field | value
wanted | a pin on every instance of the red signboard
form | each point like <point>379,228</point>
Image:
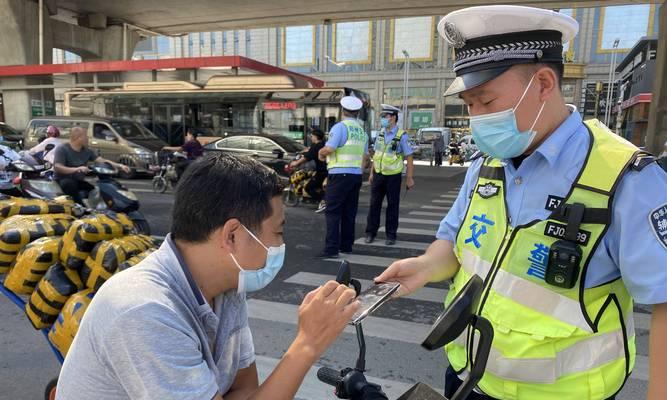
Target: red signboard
<point>280,105</point>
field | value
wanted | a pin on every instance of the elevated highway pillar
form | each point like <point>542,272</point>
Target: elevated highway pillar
<point>657,125</point>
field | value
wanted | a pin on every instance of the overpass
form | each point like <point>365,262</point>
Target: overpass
<point>103,30</point>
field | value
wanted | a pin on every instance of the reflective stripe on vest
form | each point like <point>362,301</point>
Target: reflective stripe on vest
<point>549,343</point>
<point>351,154</point>
<point>384,162</point>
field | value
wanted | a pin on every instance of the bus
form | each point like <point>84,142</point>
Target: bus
<point>223,105</point>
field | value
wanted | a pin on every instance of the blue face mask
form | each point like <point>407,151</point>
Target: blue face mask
<point>384,122</point>
<point>253,280</point>
<point>497,134</point>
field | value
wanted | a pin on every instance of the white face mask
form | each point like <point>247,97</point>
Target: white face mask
<point>253,280</point>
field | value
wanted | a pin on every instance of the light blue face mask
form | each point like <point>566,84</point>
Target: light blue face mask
<point>497,134</point>
<point>384,122</point>
<point>253,280</point>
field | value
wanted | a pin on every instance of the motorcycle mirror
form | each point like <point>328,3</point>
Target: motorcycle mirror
<point>456,318</point>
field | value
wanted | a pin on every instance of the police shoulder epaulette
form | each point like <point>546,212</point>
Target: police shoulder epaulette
<point>477,155</point>
<point>641,161</point>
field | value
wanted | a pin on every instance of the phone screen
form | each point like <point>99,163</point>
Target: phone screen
<point>372,299</point>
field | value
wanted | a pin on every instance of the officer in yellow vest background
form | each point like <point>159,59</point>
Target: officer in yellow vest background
<point>565,221</point>
<point>346,153</point>
<point>391,148</point>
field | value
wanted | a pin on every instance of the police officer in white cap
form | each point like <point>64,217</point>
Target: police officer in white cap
<point>565,221</point>
<point>391,148</point>
<point>346,152</point>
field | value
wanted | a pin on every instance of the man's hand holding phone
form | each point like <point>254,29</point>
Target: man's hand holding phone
<point>323,315</point>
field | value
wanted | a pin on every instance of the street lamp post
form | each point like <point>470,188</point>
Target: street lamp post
<point>610,85</point>
<point>406,82</point>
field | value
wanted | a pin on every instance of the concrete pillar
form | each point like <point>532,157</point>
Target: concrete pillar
<point>657,124</point>
<point>19,45</point>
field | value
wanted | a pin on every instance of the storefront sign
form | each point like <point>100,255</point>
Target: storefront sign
<point>280,105</point>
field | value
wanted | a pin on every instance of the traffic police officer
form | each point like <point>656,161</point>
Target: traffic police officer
<point>391,147</point>
<point>565,221</point>
<point>346,152</point>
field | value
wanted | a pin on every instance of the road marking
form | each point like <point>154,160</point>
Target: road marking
<point>142,190</point>
<point>364,260</point>
<point>385,328</point>
<point>436,208</point>
<point>449,201</point>
<point>420,221</point>
<point>427,214</point>
<point>412,231</point>
<point>400,244</point>
<point>449,196</point>
<point>433,295</point>
<point>311,387</point>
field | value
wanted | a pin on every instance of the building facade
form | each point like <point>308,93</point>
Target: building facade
<point>373,55</point>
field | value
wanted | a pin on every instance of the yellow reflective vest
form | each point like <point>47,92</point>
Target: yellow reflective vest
<point>550,343</point>
<point>387,160</point>
<point>351,154</point>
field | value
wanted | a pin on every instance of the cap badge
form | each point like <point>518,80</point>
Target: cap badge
<point>454,36</point>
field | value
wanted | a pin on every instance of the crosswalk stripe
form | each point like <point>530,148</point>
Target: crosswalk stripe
<point>311,279</point>
<point>312,388</point>
<point>436,208</point>
<point>413,231</point>
<point>385,328</point>
<point>449,196</point>
<point>364,260</point>
<point>420,221</point>
<point>141,190</point>
<point>400,244</point>
<point>449,201</point>
<point>427,214</point>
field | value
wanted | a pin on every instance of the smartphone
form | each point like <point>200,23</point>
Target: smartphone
<point>372,299</point>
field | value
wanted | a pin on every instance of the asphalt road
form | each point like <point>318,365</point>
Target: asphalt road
<point>394,357</point>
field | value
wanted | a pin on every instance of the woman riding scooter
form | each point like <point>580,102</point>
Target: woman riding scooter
<point>42,151</point>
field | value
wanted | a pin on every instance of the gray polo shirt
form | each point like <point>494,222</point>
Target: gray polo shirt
<point>149,334</point>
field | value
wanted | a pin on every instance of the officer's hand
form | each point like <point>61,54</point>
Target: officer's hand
<point>324,314</point>
<point>410,273</point>
<point>410,183</point>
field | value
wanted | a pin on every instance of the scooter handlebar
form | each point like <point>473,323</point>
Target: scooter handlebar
<point>329,376</point>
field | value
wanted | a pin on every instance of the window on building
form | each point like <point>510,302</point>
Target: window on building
<point>190,46</point>
<point>213,43</point>
<point>163,46</point>
<point>298,45</point>
<point>626,23</point>
<point>413,35</point>
<point>352,42</point>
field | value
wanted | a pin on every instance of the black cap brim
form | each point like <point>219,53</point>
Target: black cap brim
<point>473,79</point>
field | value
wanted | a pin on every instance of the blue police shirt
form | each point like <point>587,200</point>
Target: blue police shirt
<point>403,145</point>
<point>635,246</point>
<point>337,138</point>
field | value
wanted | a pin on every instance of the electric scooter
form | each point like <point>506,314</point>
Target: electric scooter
<point>350,383</point>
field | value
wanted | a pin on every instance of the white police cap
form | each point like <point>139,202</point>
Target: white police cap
<point>351,103</point>
<point>488,40</point>
<point>389,109</point>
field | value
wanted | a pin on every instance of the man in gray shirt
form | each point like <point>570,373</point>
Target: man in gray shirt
<point>70,164</point>
<point>176,325</point>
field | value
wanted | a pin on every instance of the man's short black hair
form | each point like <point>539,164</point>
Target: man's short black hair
<point>217,188</point>
<point>193,133</point>
<point>317,132</point>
